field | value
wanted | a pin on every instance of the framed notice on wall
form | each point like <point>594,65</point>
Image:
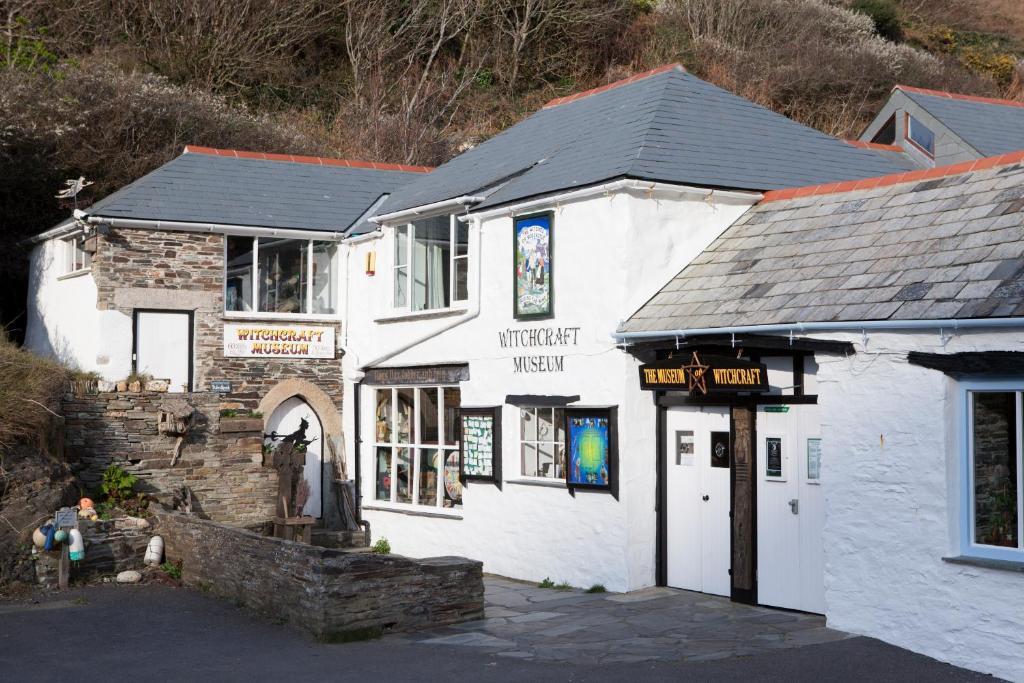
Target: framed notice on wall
<point>591,449</point>
<point>533,293</point>
<point>773,458</point>
<point>480,444</point>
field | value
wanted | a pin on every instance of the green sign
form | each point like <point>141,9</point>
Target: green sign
<point>776,409</point>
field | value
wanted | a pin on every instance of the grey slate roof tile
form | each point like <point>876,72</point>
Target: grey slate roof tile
<point>203,188</point>
<point>667,127</point>
<point>811,270</point>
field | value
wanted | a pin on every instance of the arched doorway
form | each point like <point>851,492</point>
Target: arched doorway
<point>287,419</point>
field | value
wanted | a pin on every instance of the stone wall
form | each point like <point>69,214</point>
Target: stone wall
<point>221,460</point>
<point>335,594</point>
<point>136,268</point>
<point>111,546</point>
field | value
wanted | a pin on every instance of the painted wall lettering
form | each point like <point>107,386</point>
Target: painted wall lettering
<point>538,337</point>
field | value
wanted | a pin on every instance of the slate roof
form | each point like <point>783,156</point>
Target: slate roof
<point>205,185</point>
<point>939,246</point>
<point>665,125</point>
<point>988,125</point>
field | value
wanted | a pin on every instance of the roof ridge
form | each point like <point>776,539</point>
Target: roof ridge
<point>958,96</point>
<point>316,161</point>
<point>895,178</point>
<point>874,145</point>
<point>614,84</point>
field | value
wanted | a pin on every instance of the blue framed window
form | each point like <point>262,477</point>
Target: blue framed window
<point>921,135</point>
<point>992,490</point>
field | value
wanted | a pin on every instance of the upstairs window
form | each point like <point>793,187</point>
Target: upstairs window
<point>286,277</point>
<point>431,266</point>
<point>994,489</point>
<point>76,258</point>
<point>922,137</point>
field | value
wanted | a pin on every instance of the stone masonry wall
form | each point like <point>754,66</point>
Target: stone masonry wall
<point>137,268</point>
<point>221,460</point>
<point>335,594</point>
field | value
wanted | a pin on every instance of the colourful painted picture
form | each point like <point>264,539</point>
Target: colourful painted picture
<point>533,291</point>
<point>589,450</point>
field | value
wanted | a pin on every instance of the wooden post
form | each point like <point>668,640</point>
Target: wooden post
<point>64,566</point>
<point>744,509</point>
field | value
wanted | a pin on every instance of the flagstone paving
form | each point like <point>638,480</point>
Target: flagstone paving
<point>525,622</point>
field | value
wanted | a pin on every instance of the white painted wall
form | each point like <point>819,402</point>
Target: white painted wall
<point>891,472</point>
<point>63,321</point>
<point>611,253</point>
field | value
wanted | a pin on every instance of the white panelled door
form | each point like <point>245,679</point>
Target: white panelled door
<point>790,509</point>
<point>292,416</point>
<point>163,347</point>
<point>698,499</point>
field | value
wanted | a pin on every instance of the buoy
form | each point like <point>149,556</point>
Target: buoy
<point>155,551</point>
<point>60,536</point>
<point>77,548</point>
<point>38,538</point>
<point>86,503</point>
<point>49,531</point>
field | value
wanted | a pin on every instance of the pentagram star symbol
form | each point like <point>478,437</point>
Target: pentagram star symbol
<point>695,374</point>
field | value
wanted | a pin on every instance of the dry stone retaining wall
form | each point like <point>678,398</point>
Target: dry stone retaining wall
<point>336,594</point>
<point>221,459</point>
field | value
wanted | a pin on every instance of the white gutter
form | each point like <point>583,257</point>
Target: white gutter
<point>644,187</point>
<point>464,201</point>
<point>66,228</point>
<point>801,328</point>
<point>365,237</point>
<point>216,228</point>
<point>473,312</point>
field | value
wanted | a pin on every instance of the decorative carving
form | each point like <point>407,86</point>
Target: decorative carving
<point>176,418</point>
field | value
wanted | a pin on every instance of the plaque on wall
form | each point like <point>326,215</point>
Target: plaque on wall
<point>480,444</point>
<point>773,457</point>
<point>417,375</point>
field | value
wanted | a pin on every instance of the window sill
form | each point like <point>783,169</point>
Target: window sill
<point>281,317</point>
<point>420,315</point>
<point>987,563</point>
<point>74,274</point>
<point>412,510</point>
<point>544,483</point>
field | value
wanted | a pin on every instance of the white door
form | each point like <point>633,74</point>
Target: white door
<point>163,347</point>
<point>790,509</point>
<point>287,419</point>
<point>698,499</point>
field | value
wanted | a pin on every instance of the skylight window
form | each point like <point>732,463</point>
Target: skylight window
<point>922,136</point>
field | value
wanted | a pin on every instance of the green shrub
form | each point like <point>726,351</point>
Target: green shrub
<point>546,583</point>
<point>597,588</point>
<point>564,586</point>
<point>884,14</point>
<point>381,547</point>
<point>118,486</point>
<point>172,569</point>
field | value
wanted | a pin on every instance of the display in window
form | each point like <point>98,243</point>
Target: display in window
<point>325,278</point>
<point>428,476</point>
<point>403,475</point>
<point>282,275</point>
<point>404,428</point>
<point>996,498</point>
<point>383,416</point>
<point>452,483</point>
<point>383,474</point>
<point>481,444</point>
<point>534,293</point>
<point>238,285</point>
<point>591,447</point>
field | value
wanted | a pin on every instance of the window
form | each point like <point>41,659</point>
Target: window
<point>921,136</point>
<point>886,135</point>
<point>996,506</point>
<point>286,277</point>
<point>542,438</point>
<point>417,446</point>
<point>76,258</point>
<point>431,264</point>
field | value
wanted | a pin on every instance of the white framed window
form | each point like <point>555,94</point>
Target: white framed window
<point>76,258</point>
<point>431,264</point>
<point>921,136</point>
<point>542,442</point>
<point>994,483</point>
<point>416,446</point>
<point>281,277</point>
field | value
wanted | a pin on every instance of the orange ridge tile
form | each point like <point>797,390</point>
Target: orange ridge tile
<point>594,91</point>
<point>298,159</point>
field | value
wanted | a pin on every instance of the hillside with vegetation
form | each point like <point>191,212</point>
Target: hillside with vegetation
<point>110,89</point>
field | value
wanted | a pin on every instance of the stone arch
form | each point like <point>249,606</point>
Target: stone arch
<point>317,398</point>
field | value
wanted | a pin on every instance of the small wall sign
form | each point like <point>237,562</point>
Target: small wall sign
<point>704,375</point>
<point>255,340</point>
<point>220,386</point>
<point>773,457</point>
<point>814,459</point>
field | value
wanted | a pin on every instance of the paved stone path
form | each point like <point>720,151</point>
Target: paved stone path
<point>657,624</point>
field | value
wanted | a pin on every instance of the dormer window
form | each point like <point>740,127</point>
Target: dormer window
<point>431,266</point>
<point>921,136</point>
